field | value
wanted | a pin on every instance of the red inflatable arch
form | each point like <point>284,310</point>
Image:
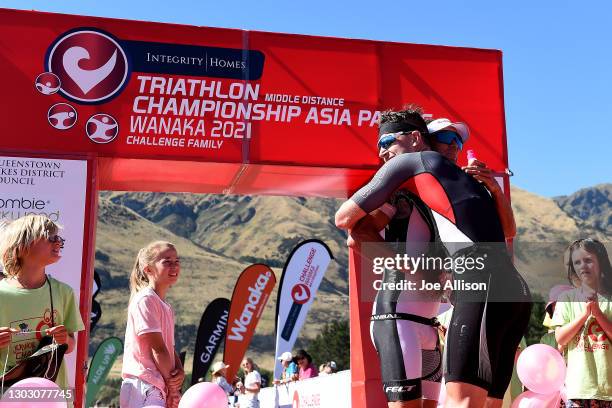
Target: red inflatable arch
<point>162,107</point>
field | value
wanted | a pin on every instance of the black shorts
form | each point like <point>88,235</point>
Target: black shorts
<point>483,336</point>
<point>407,344</point>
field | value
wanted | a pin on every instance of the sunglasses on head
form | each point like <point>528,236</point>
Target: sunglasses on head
<point>448,136</point>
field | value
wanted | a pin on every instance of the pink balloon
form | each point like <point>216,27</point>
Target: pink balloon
<point>31,384</point>
<point>541,369</point>
<point>530,399</point>
<point>204,395</point>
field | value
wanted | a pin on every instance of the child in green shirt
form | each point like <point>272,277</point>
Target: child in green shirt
<point>28,245</point>
<point>583,321</point>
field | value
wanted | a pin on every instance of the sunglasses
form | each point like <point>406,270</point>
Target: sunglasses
<point>448,137</point>
<point>387,140</point>
<point>55,239</point>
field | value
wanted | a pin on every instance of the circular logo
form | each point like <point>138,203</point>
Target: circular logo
<point>91,65</point>
<point>102,128</point>
<point>300,293</point>
<point>62,116</point>
<point>47,83</point>
<point>595,332</point>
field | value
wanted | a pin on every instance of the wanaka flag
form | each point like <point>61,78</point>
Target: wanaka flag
<point>101,363</point>
<point>211,334</point>
<point>250,296</point>
<point>301,278</point>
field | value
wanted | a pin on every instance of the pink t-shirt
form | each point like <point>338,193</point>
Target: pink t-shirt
<point>147,313</point>
<point>309,372</point>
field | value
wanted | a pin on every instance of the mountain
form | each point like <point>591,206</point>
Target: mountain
<point>590,206</point>
<point>218,236</point>
<point>544,230</point>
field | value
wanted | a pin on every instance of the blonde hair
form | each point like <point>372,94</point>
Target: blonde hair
<point>146,257</point>
<point>17,238</point>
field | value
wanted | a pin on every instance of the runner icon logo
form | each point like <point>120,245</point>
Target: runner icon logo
<point>102,128</point>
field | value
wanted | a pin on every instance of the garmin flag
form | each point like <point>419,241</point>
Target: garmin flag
<point>250,296</point>
<point>211,333</point>
<point>301,278</point>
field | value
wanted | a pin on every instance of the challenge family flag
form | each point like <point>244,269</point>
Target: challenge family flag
<point>299,283</point>
<point>211,332</point>
<point>101,363</point>
<point>250,296</point>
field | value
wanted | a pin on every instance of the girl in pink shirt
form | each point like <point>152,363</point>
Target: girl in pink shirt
<point>152,372</point>
<point>307,368</point>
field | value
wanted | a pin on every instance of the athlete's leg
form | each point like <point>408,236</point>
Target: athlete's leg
<point>432,366</point>
<point>493,402</point>
<point>464,395</point>
<point>511,330</point>
<point>468,370</point>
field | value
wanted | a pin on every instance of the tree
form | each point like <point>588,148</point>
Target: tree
<point>332,344</point>
<point>535,329</point>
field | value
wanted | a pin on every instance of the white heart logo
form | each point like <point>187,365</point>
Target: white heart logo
<point>86,79</point>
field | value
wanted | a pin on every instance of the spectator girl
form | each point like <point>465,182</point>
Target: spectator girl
<point>583,321</point>
<point>152,371</point>
<point>252,384</point>
<point>306,368</point>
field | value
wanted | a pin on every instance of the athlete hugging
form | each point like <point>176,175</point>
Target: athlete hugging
<point>426,204</point>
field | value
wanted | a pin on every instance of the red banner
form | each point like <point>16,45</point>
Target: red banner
<point>273,112</point>
<point>250,296</point>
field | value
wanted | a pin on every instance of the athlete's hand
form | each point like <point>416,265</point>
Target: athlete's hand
<point>350,242</point>
<point>5,336</point>
<point>59,334</point>
<point>482,173</point>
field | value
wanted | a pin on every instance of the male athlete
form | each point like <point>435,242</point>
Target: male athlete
<point>483,334</point>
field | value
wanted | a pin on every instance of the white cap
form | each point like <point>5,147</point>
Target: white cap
<point>218,366</point>
<point>332,364</point>
<point>286,356</point>
<point>440,124</point>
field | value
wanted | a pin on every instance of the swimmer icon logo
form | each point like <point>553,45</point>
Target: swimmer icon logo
<point>90,64</point>
<point>62,116</point>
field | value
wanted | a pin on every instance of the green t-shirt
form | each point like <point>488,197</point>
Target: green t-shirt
<point>589,358</point>
<point>549,339</point>
<point>30,310</point>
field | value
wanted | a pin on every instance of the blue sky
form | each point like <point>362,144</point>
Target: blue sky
<point>557,62</point>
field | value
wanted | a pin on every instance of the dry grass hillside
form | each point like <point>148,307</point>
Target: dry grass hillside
<point>543,232</point>
<point>207,272</point>
<point>218,236</point>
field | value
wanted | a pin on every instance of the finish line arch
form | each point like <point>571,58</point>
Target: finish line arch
<point>164,107</point>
